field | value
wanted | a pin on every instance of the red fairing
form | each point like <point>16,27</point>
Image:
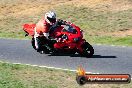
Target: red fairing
<point>70,42</point>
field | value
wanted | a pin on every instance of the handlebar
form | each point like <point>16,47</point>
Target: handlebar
<point>57,24</point>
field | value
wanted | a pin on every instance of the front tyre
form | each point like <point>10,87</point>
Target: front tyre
<point>88,50</point>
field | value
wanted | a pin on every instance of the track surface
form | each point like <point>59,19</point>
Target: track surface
<point>107,59</point>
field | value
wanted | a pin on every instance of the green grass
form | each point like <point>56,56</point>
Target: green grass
<point>23,76</point>
<point>109,40</point>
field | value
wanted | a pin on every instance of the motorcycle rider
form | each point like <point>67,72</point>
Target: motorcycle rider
<point>43,27</point>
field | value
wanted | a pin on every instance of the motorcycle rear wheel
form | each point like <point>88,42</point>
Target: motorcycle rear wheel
<point>43,48</point>
<point>33,43</point>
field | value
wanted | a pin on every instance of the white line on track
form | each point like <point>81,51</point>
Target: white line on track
<point>41,66</point>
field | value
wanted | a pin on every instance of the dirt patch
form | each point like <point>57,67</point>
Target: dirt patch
<point>122,33</point>
<point>32,7</point>
<point>86,3</point>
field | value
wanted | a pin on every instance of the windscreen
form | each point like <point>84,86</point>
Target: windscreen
<point>69,28</point>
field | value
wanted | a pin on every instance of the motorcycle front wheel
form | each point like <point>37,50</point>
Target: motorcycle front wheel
<point>88,50</point>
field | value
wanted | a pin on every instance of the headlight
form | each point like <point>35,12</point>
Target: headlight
<point>65,37</point>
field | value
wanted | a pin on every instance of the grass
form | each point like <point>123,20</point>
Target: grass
<point>95,21</point>
<point>110,40</point>
<point>23,76</point>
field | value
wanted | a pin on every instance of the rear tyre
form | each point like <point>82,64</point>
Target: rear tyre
<point>45,50</point>
<point>42,50</point>
<point>88,50</point>
<point>33,43</point>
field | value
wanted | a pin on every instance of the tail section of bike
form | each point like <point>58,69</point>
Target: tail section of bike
<point>29,29</point>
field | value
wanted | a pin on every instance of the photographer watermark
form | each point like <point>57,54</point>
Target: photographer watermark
<point>83,78</point>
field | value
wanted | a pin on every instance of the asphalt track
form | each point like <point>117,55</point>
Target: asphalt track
<point>107,59</point>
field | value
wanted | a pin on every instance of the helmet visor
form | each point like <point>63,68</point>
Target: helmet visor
<point>52,20</point>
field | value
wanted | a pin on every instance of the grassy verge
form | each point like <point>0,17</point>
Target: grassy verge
<point>110,40</point>
<point>22,76</point>
<point>97,22</point>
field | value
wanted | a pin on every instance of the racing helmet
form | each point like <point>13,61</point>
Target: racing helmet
<point>50,17</point>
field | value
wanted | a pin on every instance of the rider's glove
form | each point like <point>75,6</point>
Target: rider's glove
<point>61,22</point>
<point>46,35</point>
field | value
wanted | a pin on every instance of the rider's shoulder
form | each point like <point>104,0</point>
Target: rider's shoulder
<point>43,21</point>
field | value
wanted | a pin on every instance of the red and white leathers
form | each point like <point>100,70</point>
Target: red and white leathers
<point>41,29</point>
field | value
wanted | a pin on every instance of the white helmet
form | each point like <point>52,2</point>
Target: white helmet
<point>50,17</point>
